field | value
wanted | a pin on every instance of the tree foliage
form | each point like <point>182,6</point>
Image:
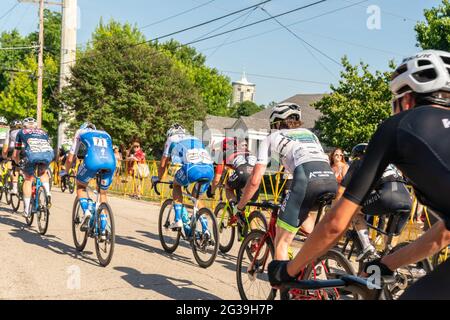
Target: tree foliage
<point>355,107</point>
<point>245,109</point>
<point>434,33</point>
<point>131,90</point>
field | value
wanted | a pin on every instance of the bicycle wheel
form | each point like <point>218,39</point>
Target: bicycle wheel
<point>8,185</point>
<point>30,218</point>
<point>205,245</point>
<point>257,221</point>
<point>226,230</point>
<point>169,239</point>
<point>406,276</point>
<point>330,266</point>
<point>63,184</point>
<point>71,184</point>
<point>105,248</point>
<point>251,270</point>
<point>79,237</point>
<point>43,213</point>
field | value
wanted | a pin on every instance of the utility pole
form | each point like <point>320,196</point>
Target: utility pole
<point>68,57</point>
<point>40,63</point>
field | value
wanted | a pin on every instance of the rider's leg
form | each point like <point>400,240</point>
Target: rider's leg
<point>27,185</point>
<point>283,240</point>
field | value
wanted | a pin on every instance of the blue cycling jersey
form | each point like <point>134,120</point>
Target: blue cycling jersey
<point>186,149</point>
<point>35,145</point>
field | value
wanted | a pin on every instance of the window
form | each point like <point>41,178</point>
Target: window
<point>242,97</point>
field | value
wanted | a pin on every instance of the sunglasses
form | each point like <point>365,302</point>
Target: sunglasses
<point>338,155</point>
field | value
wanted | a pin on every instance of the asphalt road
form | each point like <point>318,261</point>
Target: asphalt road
<point>48,267</point>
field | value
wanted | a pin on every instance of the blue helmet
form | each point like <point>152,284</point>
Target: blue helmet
<point>88,125</point>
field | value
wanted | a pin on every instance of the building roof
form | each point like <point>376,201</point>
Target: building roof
<point>309,114</point>
<point>252,123</point>
<point>244,81</point>
<point>218,123</point>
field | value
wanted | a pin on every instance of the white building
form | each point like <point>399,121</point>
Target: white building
<point>243,90</point>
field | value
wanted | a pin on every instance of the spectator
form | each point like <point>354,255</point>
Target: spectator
<point>118,157</point>
<point>338,164</point>
<point>136,165</point>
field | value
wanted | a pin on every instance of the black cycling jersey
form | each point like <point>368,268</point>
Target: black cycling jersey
<point>417,142</point>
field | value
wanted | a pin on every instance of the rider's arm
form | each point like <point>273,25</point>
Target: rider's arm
<point>252,185</point>
<point>69,162</point>
<point>5,149</point>
<point>433,241</point>
<point>328,232</point>
<point>17,148</point>
<point>163,166</point>
<point>73,152</point>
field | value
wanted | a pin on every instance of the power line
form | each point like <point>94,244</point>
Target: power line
<point>209,21</point>
<point>305,44</point>
<point>19,48</point>
<point>177,15</point>
<point>277,78</point>
<point>212,36</point>
<point>258,22</point>
<point>10,10</point>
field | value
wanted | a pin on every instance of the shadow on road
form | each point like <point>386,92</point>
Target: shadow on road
<point>24,233</point>
<point>172,288</point>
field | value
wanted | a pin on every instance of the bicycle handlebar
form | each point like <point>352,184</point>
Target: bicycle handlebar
<point>264,205</point>
<point>155,186</point>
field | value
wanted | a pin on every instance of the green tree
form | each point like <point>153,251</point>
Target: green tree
<point>131,91</point>
<point>215,88</point>
<point>245,109</point>
<point>356,106</point>
<point>434,33</point>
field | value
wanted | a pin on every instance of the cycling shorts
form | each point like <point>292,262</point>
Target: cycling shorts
<point>88,171</point>
<point>388,199</point>
<point>311,180</point>
<point>40,159</point>
<point>191,173</point>
<point>238,180</point>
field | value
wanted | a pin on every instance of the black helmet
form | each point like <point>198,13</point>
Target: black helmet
<point>359,151</point>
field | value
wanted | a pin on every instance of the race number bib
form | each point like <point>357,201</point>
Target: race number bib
<point>198,156</point>
<point>309,152</point>
<point>241,159</point>
<point>39,145</point>
<point>100,142</point>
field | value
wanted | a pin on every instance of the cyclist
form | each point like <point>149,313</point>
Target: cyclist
<point>196,164</point>
<point>416,139</point>
<point>302,155</point>
<point>8,150</point>
<point>94,147</point>
<point>33,146</point>
<point>388,196</point>
<point>4,133</point>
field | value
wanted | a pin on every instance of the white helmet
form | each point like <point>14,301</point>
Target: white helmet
<point>175,129</point>
<point>426,72</point>
<point>3,121</point>
<point>284,111</point>
<point>29,123</point>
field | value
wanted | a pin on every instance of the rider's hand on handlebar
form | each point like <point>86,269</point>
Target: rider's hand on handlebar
<point>377,266</point>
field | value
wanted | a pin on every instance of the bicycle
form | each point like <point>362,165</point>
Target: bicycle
<point>204,244</point>
<point>258,248</point>
<point>4,181</point>
<point>405,276</point>
<point>69,182</point>
<point>227,221</point>
<point>104,248</point>
<point>16,199</point>
<point>38,204</point>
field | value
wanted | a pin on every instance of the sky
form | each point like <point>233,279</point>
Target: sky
<point>281,63</point>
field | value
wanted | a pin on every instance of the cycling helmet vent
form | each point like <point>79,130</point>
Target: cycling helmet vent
<point>426,75</point>
<point>404,89</point>
<point>400,70</point>
<point>422,63</point>
<point>446,60</point>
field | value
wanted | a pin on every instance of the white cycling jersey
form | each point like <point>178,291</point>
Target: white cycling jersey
<point>4,134</point>
<point>293,147</point>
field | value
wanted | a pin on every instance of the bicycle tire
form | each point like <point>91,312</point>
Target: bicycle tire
<point>8,184</point>
<point>79,245</point>
<point>334,255</point>
<point>164,224</point>
<point>63,184</point>
<point>29,219</point>
<point>223,224</point>
<point>110,236</point>
<point>43,215</point>
<point>72,184</point>
<point>196,250</point>
<point>261,239</point>
<point>255,216</point>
